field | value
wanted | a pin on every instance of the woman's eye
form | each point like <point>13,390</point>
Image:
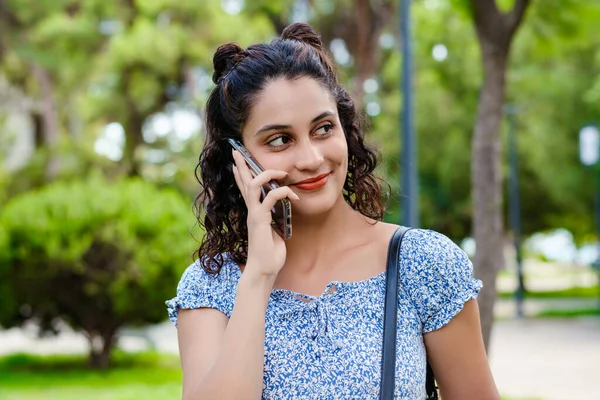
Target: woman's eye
<point>279,141</point>
<point>324,130</point>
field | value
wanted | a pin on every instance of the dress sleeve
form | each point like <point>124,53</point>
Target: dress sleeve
<point>437,275</point>
<point>198,289</point>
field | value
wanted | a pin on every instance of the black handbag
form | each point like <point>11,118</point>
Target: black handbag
<point>390,320</point>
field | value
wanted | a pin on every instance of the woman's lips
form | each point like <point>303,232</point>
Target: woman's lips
<point>313,184</point>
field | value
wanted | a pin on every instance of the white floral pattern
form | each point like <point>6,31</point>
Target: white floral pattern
<point>329,347</point>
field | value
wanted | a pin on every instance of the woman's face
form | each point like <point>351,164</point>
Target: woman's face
<point>294,127</point>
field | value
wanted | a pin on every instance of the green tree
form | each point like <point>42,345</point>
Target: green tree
<point>495,31</point>
<point>90,63</point>
<point>97,255</point>
<point>552,73</point>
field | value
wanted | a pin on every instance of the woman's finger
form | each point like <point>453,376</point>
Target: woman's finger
<point>244,176</point>
<point>260,185</point>
<point>238,181</point>
<point>243,170</point>
<point>275,195</point>
<point>253,185</point>
<point>267,176</point>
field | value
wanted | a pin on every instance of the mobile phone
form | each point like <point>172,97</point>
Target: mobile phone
<point>281,213</point>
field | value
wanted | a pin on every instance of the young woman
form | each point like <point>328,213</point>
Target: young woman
<point>262,317</point>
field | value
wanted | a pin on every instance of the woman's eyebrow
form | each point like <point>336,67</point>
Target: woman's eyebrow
<point>272,127</point>
<point>321,116</point>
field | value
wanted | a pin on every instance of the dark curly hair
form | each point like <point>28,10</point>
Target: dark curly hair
<point>240,75</point>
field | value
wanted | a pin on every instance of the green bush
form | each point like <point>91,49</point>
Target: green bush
<point>94,254</point>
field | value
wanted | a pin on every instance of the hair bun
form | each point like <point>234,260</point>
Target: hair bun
<point>302,32</point>
<point>225,57</point>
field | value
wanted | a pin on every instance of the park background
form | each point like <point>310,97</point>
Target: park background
<point>101,124</point>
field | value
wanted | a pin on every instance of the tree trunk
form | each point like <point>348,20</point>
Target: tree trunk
<point>133,139</point>
<point>487,185</point>
<point>133,122</point>
<point>360,27</point>
<point>49,119</point>
<point>100,349</point>
<point>495,31</point>
<point>132,119</point>
<point>371,18</point>
<point>38,130</point>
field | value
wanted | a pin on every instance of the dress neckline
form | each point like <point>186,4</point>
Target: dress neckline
<point>341,286</point>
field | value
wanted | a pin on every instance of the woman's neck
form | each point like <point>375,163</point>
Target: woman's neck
<point>318,236</point>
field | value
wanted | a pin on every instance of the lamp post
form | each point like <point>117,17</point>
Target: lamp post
<point>410,205</point>
<point>589,153</point>
<point>511,111</point>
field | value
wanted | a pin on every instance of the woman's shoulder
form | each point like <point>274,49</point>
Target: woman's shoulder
<point>438,276</point>
<point>431,246</point>
<point>428,256</point>
<point>199,288</point>
<point>222,269</point>
<point>424,244</point>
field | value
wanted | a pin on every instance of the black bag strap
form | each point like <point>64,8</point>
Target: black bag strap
<point>390,317</point>
<point>390,320</point>
<point>430,387</point>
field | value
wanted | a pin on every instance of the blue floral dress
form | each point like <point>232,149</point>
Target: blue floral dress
<point>329,347</point>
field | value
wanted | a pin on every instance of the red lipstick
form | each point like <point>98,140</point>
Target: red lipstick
<point>313,183</point>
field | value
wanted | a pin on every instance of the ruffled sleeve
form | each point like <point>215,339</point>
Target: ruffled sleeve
<point>198,289</point>
<point>437,275</point>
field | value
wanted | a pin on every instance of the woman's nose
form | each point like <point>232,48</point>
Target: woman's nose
<point>308,157</point>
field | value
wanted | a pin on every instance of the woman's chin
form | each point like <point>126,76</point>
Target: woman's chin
<point>314,206</point>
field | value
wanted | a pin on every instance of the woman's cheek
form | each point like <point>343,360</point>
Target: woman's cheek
<point>341,150</point>
<point>276,161</point>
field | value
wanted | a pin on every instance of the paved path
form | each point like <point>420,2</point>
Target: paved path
<point>542,359</point>
<point>547,359</point>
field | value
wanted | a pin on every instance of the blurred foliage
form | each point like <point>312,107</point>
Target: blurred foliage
<point>93,253</point>
<point>145,63</point>
<point>117,61</point>
<point>135,74</point>
<point>554,70</point>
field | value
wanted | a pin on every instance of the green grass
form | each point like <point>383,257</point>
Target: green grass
<point>590,292</point>
<point>585,312</point>
<point>145,376</point>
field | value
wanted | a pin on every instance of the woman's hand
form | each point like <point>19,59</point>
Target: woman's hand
<point>266,249</point>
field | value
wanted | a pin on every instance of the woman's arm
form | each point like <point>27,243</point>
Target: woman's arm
<point>224,359</point>
<point>457,355</point>
<point>221,358</point>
